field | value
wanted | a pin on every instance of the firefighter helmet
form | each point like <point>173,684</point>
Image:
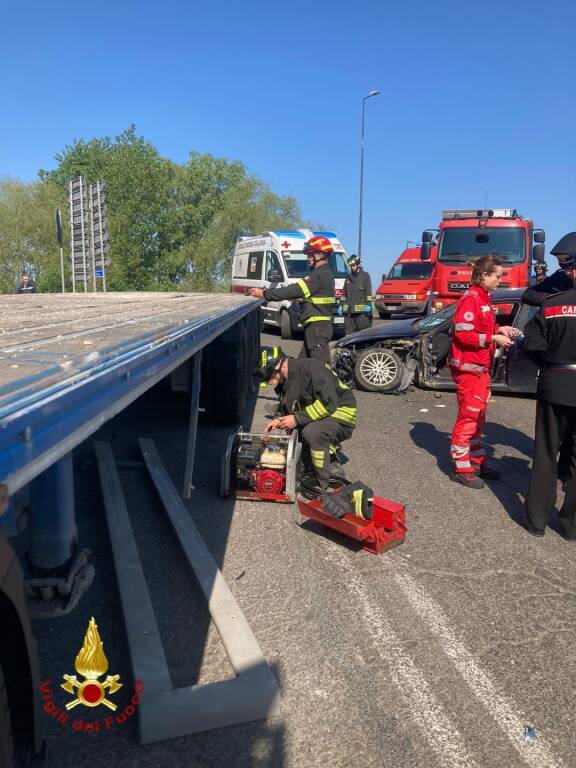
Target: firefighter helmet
<point>540,265</point>
<point>318,244</point>
<point>270,359</point>
<point>353,259</point>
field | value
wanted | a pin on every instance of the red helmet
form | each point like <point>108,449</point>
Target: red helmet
<point>318,244</point>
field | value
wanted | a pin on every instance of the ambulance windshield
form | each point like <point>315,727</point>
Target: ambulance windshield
<point>297,266</point>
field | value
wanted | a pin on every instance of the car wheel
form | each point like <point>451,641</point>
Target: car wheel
<point>378,370</point>
<point>384,315</point>
<point>285,325</point>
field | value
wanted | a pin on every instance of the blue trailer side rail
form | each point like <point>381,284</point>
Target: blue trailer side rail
<point>54,394</point>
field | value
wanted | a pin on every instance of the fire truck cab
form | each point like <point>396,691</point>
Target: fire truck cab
<point>465,235</point>
<point>407,286</point>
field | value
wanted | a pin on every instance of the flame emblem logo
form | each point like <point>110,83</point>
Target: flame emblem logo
<point>91,663</point>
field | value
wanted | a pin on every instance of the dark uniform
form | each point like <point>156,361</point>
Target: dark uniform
<point>317,291</point>
<point>358,298</point>
<point>535,295</point>
<point>551,335</point>
<point>325,411</point>
<point>556,282</point>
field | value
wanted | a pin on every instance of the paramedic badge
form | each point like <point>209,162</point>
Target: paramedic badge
<point>91,663</point>
<point>468,316</point>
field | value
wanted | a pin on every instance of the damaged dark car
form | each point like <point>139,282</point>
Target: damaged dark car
<point>391,356</point>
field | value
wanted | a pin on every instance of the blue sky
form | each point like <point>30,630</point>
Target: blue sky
<point>477,100</point>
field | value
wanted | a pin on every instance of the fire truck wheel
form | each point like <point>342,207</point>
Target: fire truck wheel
<point>285,325</point>
<point>378,370</point>
<point>6,750</point>
<point>384,315</point>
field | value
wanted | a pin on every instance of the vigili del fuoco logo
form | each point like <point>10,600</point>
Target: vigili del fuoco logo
<point>90,664</point>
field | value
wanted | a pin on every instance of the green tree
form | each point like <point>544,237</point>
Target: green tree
<point>171,225</point>
<point>28,234</point>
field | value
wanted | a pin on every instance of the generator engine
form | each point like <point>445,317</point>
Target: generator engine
<point>261,466</point>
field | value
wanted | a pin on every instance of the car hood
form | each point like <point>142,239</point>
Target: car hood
<point>400,329</point>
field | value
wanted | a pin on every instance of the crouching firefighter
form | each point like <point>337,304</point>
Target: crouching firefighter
<point>315,402</point>
<point>317,292</point>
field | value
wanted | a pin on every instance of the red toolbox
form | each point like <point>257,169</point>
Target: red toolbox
<point>385,531</point>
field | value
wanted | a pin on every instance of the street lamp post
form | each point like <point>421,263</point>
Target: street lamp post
<point>372,93</point>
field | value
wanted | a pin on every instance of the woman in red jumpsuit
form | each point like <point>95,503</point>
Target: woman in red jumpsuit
<point>476,335</point>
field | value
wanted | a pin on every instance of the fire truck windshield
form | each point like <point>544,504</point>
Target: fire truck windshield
<point>461,244</point>
<point>411,270</point>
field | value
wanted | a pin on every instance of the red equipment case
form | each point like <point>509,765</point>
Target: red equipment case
<point>385,531</point>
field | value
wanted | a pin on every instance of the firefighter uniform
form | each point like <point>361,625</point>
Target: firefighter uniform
<point>325,411</point>
<point>357,301</point>
<point>317,291</point>
<point>551,335</point>
<point>470,358</point>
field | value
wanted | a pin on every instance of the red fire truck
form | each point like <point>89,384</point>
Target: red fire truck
<point>464,235</point>
<point>406,288</point>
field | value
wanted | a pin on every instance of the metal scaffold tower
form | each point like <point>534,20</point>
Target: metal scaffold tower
<point>88,235</point>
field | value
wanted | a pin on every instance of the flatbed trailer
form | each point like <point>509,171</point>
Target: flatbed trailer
<point>68,364</point>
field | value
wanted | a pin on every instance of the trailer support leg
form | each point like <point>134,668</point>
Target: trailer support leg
<point>59,572</point>
<point>53,521</point>
<point>193,424</point>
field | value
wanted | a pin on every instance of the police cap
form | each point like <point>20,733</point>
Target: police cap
<point>565,246</point>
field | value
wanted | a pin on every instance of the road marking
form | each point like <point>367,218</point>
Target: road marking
<point>536,754</point>
<point>427,712</point>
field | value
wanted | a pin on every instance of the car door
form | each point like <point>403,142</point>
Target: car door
<point>520,371</point>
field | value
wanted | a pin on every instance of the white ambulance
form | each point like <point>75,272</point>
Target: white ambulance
<point>276,258</point>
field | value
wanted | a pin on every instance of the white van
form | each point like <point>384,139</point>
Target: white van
<point>276,258</point>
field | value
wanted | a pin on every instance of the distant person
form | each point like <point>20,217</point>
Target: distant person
<point>26,285</point>
<point>539,274</point>
<point>357,298</point>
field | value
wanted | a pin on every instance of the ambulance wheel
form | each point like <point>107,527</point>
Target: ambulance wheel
<point>378,370</point>
<point>384,315</point>
<point>286,325</point>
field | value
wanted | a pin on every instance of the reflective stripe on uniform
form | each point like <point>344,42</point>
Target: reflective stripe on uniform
<point>316,410</point>
<point>321,300</point>
<point>482,340</point>
<point>304,288</point>
<point>316,319</point>
<point>317,458</point>
<point>347,415</point>
<point>357,501</point>
<point>472,367</point>
<point>463,326</point>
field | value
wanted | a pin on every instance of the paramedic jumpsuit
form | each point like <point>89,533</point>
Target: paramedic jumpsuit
<point>470,358</point>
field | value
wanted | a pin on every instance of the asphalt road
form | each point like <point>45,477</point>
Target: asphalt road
<point>438,653</point>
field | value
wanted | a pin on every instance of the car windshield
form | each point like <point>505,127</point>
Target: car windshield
<point>297,266</point>
<point>426,324</point>
<point>411,270</point>
<point>461,244</point>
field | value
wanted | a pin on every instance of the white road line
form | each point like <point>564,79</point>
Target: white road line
<point>536,754</point>
<point>427,712</point>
